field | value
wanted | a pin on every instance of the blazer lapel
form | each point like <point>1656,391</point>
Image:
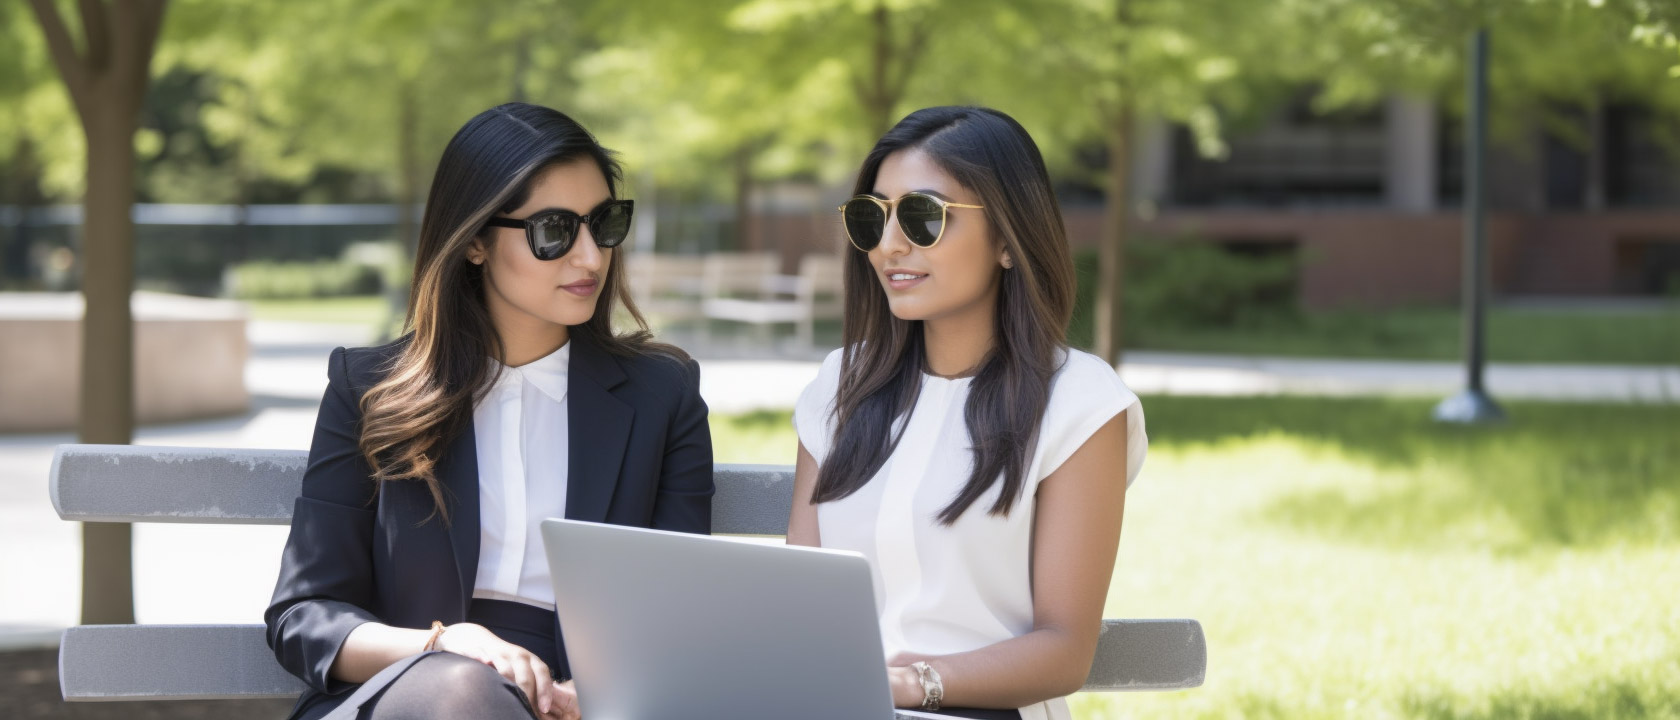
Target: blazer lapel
<point>598,428</point>
<point>458,470</point>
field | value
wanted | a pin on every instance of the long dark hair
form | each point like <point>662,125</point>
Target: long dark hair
<point>428,393</point>
<point>883,361</point>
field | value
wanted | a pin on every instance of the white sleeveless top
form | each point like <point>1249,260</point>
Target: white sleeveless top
<point>941,590</point>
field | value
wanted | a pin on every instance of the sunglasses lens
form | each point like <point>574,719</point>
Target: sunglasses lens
<point>553,238</point>
<point>865,221</point>
<point>611,225</point>
<point>922,218</point>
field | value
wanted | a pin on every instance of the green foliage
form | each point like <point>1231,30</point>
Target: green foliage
<point>1189,284</point>
<point>289,280</point>
<point>687,88</point>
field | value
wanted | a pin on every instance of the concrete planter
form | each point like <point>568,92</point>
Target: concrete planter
<point>189,359</point>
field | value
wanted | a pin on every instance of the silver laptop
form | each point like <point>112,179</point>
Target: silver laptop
<point>670,626</point>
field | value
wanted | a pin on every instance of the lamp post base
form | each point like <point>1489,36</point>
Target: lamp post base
<point>1471,407</point>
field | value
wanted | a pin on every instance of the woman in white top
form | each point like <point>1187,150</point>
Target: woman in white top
<point>414,583</point>
<point>955,440</point>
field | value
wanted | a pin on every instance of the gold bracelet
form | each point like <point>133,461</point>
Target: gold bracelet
<point>431,640</point>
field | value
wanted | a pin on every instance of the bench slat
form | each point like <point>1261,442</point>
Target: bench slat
<point>107,663</point>
<point>145,483</point>
<point>170,662</point>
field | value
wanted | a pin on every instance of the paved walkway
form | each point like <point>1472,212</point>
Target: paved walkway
<point>287,372</point>
<point>289,363</point>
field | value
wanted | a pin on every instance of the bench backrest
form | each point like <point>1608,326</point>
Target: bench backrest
<point>654,276</point>
<point>731,274</point>
<point>821,276</point>
<point>139,483</point>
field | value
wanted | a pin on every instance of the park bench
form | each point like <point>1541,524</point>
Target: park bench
<point>666,288</point>
<point>748,288</point>
<point>130,484</point>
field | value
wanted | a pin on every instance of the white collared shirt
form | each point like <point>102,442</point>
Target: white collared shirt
<point>520,429</point>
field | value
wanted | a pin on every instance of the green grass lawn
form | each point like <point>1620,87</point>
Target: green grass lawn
<point>1348,558</point>
<point>1513,335</point>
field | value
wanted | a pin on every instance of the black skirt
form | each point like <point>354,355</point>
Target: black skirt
<point>529,627</point>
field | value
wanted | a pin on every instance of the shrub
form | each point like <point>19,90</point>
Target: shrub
<point>1189,284</point>
<point>289,280</point>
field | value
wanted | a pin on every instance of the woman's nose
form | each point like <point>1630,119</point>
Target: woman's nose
<point>585,254</point>
<point>893,243</point>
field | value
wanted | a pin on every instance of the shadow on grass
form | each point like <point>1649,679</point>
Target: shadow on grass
<point>1559,474</point>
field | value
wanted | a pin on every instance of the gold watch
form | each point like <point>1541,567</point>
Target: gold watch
<point>933,689</point>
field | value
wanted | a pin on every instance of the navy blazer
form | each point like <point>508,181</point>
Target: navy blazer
<point>641,454</point>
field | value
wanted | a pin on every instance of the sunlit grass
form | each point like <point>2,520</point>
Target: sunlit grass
<point>1348,558</point>
<point>1513,335</point>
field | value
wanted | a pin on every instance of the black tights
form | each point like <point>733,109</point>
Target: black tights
<point>446,685</point>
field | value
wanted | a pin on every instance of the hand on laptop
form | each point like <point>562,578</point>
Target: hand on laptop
<point>515,663</point>
<point>565,702</point>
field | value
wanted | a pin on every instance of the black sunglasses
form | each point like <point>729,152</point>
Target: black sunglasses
<point>922,216</point>
<point>552,232</point>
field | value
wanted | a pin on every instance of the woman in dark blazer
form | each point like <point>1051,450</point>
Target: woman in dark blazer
<point>412,583</point>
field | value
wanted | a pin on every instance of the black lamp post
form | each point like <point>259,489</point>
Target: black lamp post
<point>1474,405</point>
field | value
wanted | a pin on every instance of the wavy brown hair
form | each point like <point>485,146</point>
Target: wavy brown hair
<point>427,394</point>
<point>881,367</point>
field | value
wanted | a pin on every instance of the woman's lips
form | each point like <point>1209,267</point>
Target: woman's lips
<point>584,288</point>
<point>903,279</point>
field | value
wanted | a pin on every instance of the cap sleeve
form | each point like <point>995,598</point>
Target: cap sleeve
<point>1085,394</point>
<point>813,414</point>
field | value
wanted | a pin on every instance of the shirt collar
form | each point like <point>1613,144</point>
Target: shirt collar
<point>547,373</point>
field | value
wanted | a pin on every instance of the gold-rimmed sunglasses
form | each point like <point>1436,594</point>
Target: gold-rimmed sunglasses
<point>920,215</point>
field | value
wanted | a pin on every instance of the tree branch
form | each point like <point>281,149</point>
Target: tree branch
<point>96,30</point>
<point>138,23</point>
<point>63,51</point>
<point>909,58</point>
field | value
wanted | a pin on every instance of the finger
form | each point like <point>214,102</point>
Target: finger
<point>561,704</point>
<point>522,677</point>
<point>543,683</point>
<point>574,707</point>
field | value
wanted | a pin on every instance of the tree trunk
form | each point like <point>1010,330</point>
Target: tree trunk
<point>521,67</point>
<point>876,103</point>
<point>23,194</point>
<point>1109,317</point>
<point>745,239</point>
<point>408,201</point>
<point>107,79</point>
